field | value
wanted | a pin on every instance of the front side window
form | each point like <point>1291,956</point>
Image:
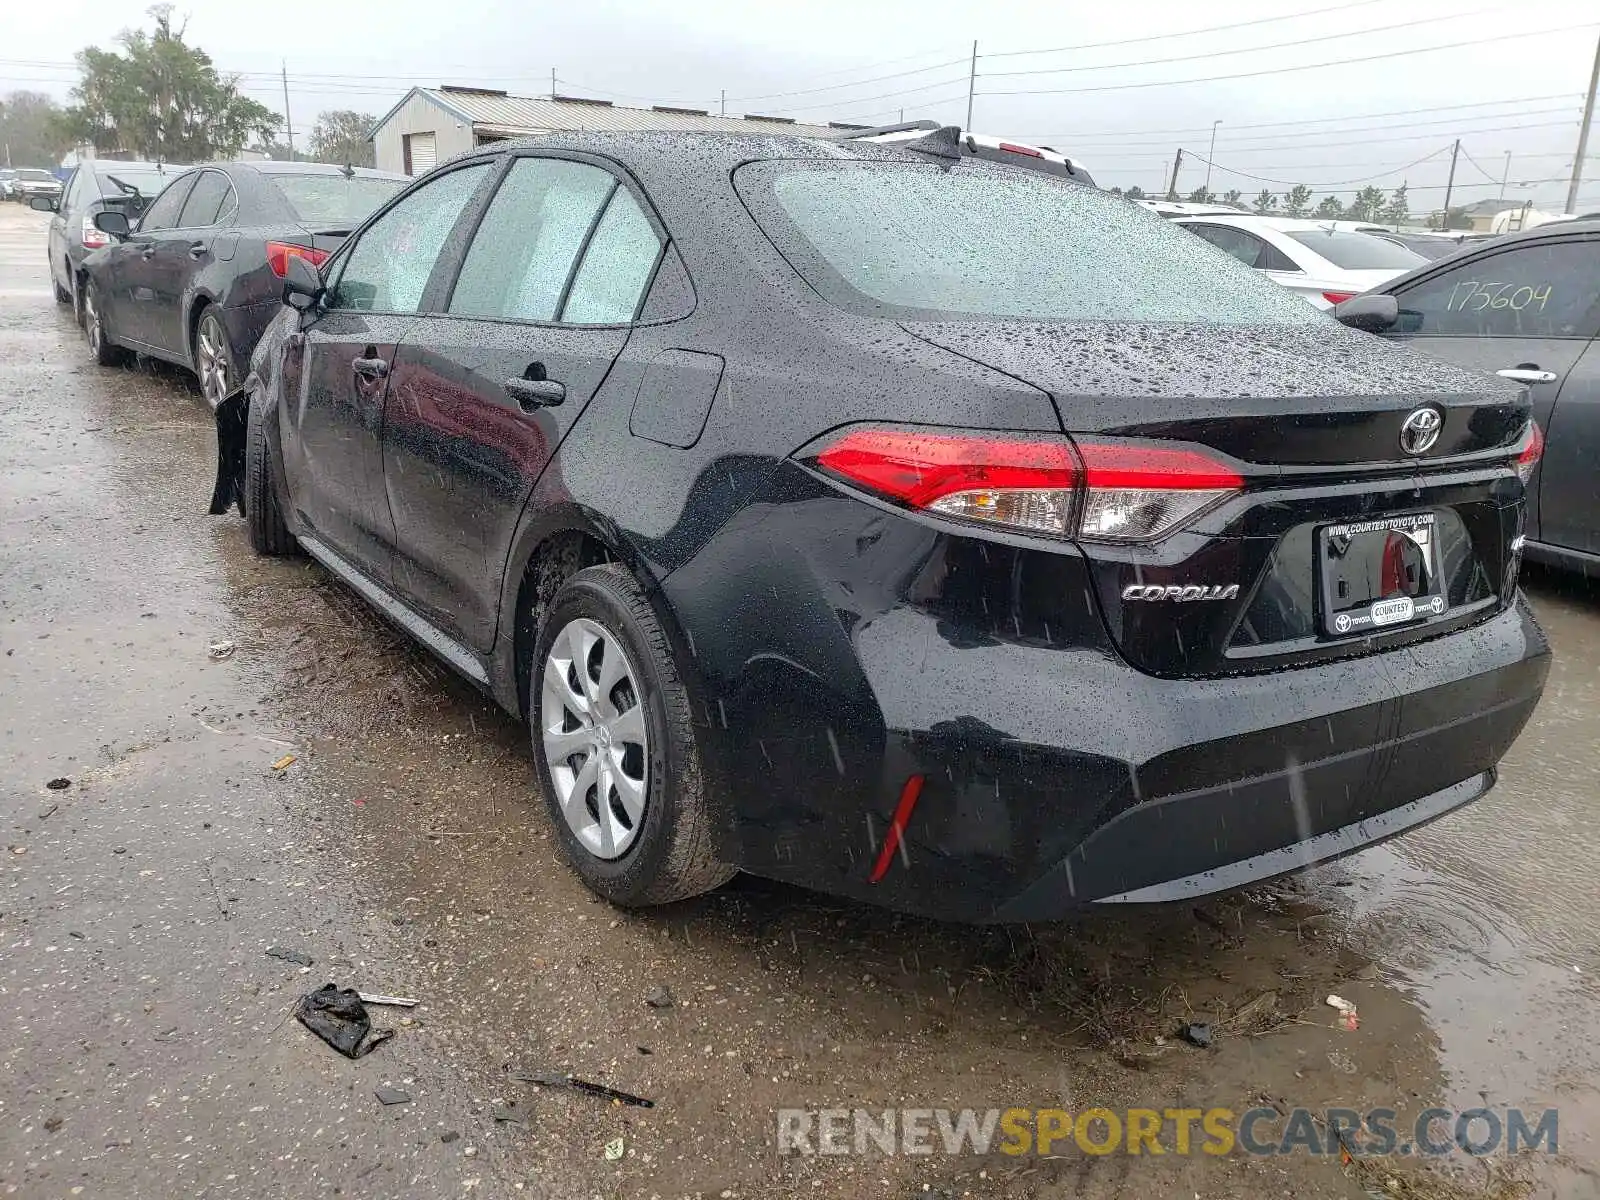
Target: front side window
<point>1544,290</point>
<point>163,214</point>
<point>388,268</point>
<point>1246,247</point>
<point>206,200</point>
<point>524,251</point>
<point>616,267</point>
<point>973,240</point>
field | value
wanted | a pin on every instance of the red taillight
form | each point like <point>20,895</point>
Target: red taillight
<point>1530,454</point>
<point>1117,491</point>
<point>279,254</point>
<point>1337,297</point>
<point>1016,149</point>
<point>94,238</point>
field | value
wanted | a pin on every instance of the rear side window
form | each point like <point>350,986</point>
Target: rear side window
<point>616,267</point>
<point>973,240</point>
<point>1352,251</point>
<point>1249,249</point>
<point>1543,290</point>
<point>525,248</point>
<point>389,266</point>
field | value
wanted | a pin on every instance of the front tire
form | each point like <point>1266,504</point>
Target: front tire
<point>615,742</point>
<point>269,533</point>
<point>106,352</point>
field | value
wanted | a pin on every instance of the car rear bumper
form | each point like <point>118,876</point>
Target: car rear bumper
<point>1054,775</point>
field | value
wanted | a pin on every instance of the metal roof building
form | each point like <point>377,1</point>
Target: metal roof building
<point>430,125</point>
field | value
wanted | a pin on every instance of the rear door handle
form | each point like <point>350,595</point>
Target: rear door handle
<point>196,249</point>
<point>1527,375</point>
<point>370,368</point>
<point>536,393</point>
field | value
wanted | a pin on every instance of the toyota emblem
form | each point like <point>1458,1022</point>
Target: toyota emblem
<point>1421,430</point>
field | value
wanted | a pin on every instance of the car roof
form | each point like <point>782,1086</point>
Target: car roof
<point>110,166</point>
<point>274,166</point>
<point>1281,224</point>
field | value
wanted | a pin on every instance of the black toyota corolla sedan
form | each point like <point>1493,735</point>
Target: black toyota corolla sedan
<point>200,275</point>
<point>903,525</point>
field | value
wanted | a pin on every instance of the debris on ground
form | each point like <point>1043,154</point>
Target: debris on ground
<point>510,1114</point>
<point>615,1149</point>
<point>298,957</point>
<point>54,1123</point>
<point>51,811</point>
<point>59,784</point>
<point>1256,1016</point>
<point>1138,1058</point>
<point>1348,1016</point>
<point>448,1136</point>
<point>1197,1034</point>
<point>397,1001</point>
<point>284,763</point>
<point>221,650</point>
<point>337,1016</point>
<point>660,997</point>
<point>555,1079</point>
<point>389,1095</point>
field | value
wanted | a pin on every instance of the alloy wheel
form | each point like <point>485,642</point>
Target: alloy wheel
<point>91,321</point>
<point>592,722</point>
<point>211,360</point>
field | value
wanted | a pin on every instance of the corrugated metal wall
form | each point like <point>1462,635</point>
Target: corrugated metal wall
<point>419,115</point>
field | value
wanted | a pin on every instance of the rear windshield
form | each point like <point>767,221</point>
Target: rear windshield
<point>1351,251</point>
<point>975,240</point>
<point>34,175</point>
<point>147,183</point>
<point>334,203</point>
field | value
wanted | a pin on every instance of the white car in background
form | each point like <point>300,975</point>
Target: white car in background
<point>1314,259</point>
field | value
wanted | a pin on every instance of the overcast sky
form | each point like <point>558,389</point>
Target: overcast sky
<point>1518,88</point>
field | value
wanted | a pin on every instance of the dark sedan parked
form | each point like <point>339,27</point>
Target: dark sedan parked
<point>1527,307</point>
<point>201,275</point>
<point>98,185</point>
<point>898,523</point>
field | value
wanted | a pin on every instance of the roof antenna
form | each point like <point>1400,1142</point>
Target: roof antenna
<point>944,142</point>
<point>348,171</point>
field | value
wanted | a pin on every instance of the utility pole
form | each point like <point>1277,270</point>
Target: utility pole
<point>1172,188</point>
<point>1583,133</point>
<point>724,111</point>
<point>288,124</point>
<point>552,83</point>
<point>1211,154</point>
<point>972,82</point>
<point>1505,176</point>
<point>1450,184</point>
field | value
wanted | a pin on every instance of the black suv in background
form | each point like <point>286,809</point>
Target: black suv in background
<point>96,186</point>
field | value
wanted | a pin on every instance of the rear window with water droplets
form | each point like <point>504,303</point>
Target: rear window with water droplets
<point>931,242</point>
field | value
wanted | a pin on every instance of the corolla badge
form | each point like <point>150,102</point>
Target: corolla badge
<point>1180,592</point>
<point>1421,430</point>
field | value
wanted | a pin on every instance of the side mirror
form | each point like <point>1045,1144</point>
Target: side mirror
<point>302,284</point>
<point>44,204</point>
<point>1374,313</point>
<point>112,222</point>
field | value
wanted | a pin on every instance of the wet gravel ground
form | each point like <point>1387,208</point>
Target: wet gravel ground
<point>147,1043</point>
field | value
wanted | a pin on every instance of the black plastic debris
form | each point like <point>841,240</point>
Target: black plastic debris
<point>299,957</point>
<point>389,1095</point>
<point>231,416</point>
<point>555,1079</point>
<point>59,784</point>
<point>660,997</point>
<point>337,1016</point>
<point>448,1136</point>
<point>1197,1034</point>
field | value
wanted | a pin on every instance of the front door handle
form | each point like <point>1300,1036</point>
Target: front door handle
<point>1527,375</point>
<point>536,393</point>
<point>196,249</point>
<point>370,368</point>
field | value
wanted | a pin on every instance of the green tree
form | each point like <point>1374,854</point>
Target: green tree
<point>1233,196</point>
<point>1265,201</point>
<point>1201,196</point>
<point>1298,202</point>
<point>1368,204</point>
<point>30,131</point>
<point>340,136</point>
<point>1135,193</point>
<point>161,98</point>
<point>1397,210</point>
<point>1330,208</point>
<point>1116,191</point>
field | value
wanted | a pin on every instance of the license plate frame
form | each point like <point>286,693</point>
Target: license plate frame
<point>1344,555</point>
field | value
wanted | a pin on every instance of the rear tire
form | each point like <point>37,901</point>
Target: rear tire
<point>213,357</point>
<point>269,533</point>
<point>63,296</point>
<point>106,352</point>
<point>668,852</point>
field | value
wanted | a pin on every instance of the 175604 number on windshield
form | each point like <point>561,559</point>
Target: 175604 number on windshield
<point>1472,296</point>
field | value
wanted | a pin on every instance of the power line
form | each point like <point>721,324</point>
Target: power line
<point>1275,141</point>
<point>1340,62</point>
<point>1336,183</point>
<point>1474,162</point>
<point>1158,37</point>
<point>1154,62</point>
